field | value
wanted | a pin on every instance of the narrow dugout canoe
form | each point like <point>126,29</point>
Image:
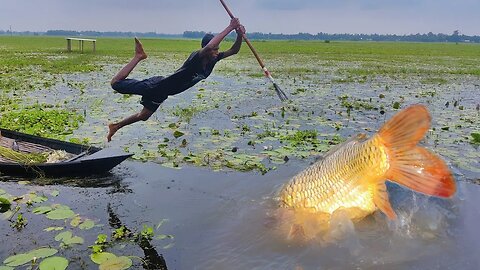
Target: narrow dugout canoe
<point>82,160</point>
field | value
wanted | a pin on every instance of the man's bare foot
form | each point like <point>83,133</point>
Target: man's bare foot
<point>139,52</point>
<point>112,128</point>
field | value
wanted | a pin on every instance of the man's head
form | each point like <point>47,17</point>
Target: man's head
<point>206,39</point>
<point>213,53</point>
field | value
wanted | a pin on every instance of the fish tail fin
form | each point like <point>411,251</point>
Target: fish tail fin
<point>413,166</point>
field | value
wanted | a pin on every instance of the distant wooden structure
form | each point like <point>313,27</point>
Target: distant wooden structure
<point>80,43</point>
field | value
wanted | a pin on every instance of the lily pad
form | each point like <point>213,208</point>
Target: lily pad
<point>87,225</point>
<point>102,257</point>
<point>4,205</point>
<point>76,221</point>
<point>38,199</point>
<point>17,260</point>
<point>54,263</point>
<point>61,213</point>
<point>49,229</point>
<point>42,210</point>
<point>68,239</point>
<point>6,268</point>
<point>55,193</point>
<point>117,263</point>
<point>24,258</point>
<point>43,252</point>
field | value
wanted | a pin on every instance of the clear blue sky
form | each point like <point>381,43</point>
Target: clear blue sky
<point>275,16</point>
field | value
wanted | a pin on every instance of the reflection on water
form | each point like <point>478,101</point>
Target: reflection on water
<point>112,180</point>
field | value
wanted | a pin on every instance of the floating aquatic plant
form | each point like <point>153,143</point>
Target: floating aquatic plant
<point>54,263</point>
<point>55,212</point>
<point>475,138</point>
<point>116,263</point>
<point>67,238</point>
<point>4,205</point>
<point>42,121</point>
<point>24,258</point>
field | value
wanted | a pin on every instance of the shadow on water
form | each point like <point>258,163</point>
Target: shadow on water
<point>152,259</point>
<point>112,180</point>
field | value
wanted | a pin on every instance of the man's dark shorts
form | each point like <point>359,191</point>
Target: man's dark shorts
<point>150,89</point>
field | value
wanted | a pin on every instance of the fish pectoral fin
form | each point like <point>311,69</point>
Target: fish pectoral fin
<point>381,200</point>
<point>297,233</point>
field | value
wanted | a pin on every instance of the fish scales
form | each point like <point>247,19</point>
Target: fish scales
<point>336,181</point>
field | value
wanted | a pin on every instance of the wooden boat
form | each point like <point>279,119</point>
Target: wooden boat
<point>82,160</point>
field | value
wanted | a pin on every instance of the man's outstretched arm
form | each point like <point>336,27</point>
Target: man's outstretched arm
<point>238,43</point>
<point>215,42</point>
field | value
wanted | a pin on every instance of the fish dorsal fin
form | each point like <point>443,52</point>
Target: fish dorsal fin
<point>361,137</point>
<point>406,128</point>
<point>381,200</point>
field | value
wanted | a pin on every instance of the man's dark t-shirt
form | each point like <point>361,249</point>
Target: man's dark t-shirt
<point>188,75</point>
<point>156,89</point>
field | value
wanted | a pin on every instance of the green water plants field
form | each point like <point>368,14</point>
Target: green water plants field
<point>334,88</point>
<point>232,121</point>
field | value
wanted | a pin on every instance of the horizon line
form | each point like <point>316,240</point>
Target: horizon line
<point>256,32</point>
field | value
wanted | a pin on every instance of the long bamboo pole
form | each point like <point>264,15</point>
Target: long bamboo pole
<point>280,93</point>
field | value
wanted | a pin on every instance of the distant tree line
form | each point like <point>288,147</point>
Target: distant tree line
<point>108,34</point>
<point>429,37</point>
<point>91,34</point>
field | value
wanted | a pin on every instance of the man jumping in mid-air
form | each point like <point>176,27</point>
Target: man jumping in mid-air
<point>156,89</point>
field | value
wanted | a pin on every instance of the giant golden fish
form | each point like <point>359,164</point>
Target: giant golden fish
<point>353,175</point>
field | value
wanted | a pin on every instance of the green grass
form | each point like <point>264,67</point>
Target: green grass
<point>49,54</point>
